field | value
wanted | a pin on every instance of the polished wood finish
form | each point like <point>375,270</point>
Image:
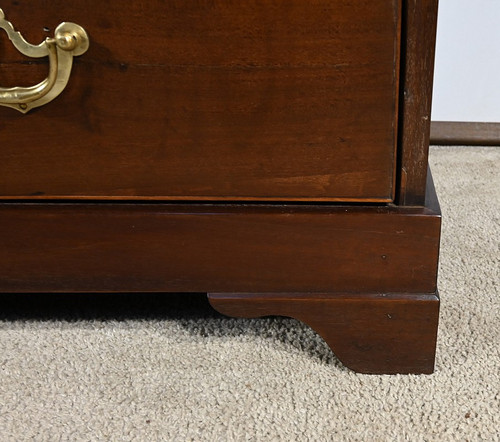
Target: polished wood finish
<point>417,67</point>
<point>369,333</point>
<point>217,248</point>
<point>199,147</point>
<point>465,133</point>
<point>382,262</point>
<point>202,100</point>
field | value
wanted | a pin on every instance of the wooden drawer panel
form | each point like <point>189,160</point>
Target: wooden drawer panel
<point>191,100</point>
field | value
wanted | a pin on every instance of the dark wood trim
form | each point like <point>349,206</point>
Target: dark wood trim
<point>465,133</point>
<point>369,333</point>
<point>417,66</point>
<point>58,247</point>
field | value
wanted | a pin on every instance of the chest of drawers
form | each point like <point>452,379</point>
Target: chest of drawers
<point>272,154</point>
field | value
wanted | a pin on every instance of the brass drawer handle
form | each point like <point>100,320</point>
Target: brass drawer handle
<point>69,40</point>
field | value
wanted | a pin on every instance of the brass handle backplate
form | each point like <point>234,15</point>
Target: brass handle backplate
<point>69,40</point>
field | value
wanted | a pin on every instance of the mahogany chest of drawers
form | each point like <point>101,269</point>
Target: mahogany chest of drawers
<point>272,154</point>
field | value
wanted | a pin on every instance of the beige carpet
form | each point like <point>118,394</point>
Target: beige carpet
<point>92,368</point>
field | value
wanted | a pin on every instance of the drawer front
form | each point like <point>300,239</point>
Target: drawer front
<point>208,100</point>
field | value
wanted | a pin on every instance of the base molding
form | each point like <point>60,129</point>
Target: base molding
<point>68,248</point>
<point>465,133</point>
<point>369,333</point>
<point>363,276</point>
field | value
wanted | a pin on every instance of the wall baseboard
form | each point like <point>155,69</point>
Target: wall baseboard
<point>465,133</point>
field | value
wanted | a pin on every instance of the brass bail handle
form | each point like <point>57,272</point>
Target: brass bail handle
<point>70,40</point>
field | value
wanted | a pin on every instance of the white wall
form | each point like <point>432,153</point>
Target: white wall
<point>467,75</point>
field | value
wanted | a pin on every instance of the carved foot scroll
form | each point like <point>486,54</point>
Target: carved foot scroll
<point>377,334</point>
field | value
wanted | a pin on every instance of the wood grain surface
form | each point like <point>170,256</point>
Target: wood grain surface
<point>417,69</point>
<point>275,100</point>
<point>369,333</point>
<point>48,247</point>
